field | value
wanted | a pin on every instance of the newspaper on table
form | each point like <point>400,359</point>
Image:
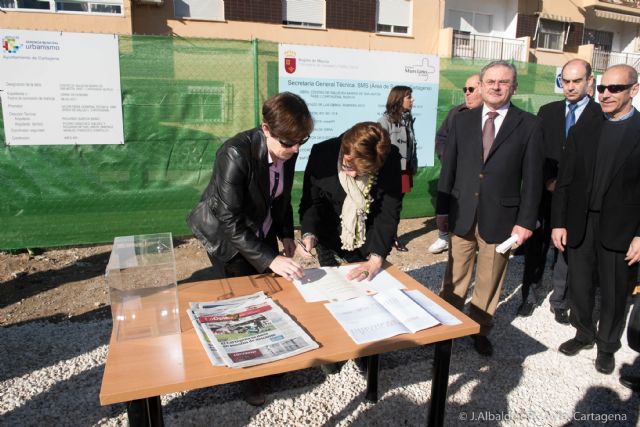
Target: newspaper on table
<point>388,313</point>
<point>331,284</point>
<point>247,331</point>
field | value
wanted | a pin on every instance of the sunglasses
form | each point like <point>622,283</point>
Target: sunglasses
<point>468,89</point>
<point>289,144</point>
<point>613,88</point>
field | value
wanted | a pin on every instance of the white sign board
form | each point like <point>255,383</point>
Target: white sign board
<point>60,88</point>
<point>557,87</point>
<point>345,86</point>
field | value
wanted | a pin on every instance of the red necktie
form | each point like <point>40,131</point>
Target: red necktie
<point>488,133</point>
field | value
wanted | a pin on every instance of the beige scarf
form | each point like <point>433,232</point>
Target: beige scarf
<point>354,208</point>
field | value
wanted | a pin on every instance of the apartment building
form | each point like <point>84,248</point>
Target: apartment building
<point>548,32</point>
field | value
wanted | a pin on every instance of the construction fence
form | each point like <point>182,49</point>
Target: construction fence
<point>181,99</point>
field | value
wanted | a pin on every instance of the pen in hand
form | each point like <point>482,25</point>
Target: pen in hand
<point>304,248</point>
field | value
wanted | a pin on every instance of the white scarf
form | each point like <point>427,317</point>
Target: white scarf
<point>354,208</point>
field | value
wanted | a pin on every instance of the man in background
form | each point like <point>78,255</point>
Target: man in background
<point>472,99</point>
<point>595,214</point>
<point>557,118</point>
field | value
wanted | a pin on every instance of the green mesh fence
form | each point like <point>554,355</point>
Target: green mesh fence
<point>181,99</point>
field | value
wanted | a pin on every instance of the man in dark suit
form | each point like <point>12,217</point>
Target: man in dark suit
<point>596,214</point>
<point>490,186</point>
<point>472,99</point>
<point>557,118</point>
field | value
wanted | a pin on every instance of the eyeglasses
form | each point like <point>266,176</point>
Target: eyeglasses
<point>468,89</point>
<point>613,88</point>
<point>289,144</point>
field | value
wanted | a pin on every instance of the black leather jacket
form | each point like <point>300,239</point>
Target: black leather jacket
<point>235,203</point>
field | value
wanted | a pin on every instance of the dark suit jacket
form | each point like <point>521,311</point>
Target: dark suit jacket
<point>553,120</point>
<point>443,130</point>
<point>501,192</point>
<point>323,196</point>
<point>620,211</point>
<point>235,204</point>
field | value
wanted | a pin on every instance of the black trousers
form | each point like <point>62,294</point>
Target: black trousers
<point>536,248</point>
<point>615,282</point>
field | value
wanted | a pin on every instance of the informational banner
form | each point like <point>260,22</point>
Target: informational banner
<point>60,88</point>
<point>345,86</point>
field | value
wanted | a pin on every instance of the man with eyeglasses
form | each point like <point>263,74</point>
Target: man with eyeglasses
<point>490,187</point>
<point>246,207</point>
<point>472,99</point>
<point>595,215</point>
<point>557,118</point>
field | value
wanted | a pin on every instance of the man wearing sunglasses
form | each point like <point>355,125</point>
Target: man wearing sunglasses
<point>595,214</point>
<point>246,207</point>
<point>557,118</point>
<point>472,99</point>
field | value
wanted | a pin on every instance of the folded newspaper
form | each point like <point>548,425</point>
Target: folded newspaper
<point>247,331</point>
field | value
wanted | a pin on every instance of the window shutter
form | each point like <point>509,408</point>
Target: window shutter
<point>394,12</point>
<point>212,10</point>
<point>305,11</point>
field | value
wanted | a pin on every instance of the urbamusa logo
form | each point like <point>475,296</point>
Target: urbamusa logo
<point>10,44</point>
<point>423,69</point>
<point>290,61</point>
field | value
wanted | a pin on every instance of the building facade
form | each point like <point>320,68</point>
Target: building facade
<point>548,32</point>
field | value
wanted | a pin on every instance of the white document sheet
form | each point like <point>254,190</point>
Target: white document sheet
<point>327,284</point>
<point>365,320</point>
<point>442,315</point>
<point>403,308</point>
<point>381,282</point>
<point>331,284</point>
<point>373,318</point>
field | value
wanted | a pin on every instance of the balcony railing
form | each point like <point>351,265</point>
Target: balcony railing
<point>628,3</point>
<point>602,59</point>
<point>475,46</point>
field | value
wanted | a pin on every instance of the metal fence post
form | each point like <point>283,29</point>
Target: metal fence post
<point>256,82</point>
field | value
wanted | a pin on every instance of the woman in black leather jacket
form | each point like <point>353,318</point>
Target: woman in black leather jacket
<point>247,205</point>
<point>245,208</point>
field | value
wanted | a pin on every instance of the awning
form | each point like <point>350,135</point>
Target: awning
<point>607,14</point>
<point>552,17</point>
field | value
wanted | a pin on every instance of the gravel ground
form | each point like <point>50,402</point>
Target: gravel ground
<point>50,374</point>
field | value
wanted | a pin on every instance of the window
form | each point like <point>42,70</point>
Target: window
<point>394,16</point>
<point>209,10</point>
<point>304,13</point>
<point>471,22</point>
<point>551,34</point>
<point>109,7</point>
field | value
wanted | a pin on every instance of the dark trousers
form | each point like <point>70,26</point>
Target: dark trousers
<point>536,248</point>
<point>238,265</point>
<point>615,281</point>
<point>558,298</point>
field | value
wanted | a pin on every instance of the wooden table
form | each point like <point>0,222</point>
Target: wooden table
<point>139,371</point>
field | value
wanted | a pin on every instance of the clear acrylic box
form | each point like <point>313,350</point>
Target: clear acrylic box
<point>141,276</point>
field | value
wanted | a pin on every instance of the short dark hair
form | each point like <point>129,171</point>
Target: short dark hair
<point>395,101</point>
<point>287,117</point>
<point>368,143</point>
<point>500,63</point>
